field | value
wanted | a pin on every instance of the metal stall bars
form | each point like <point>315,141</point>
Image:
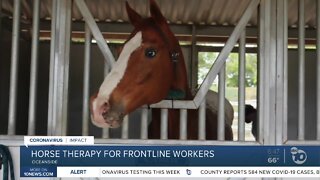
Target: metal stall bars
<point>95,32</point>
<point>51,73</point>
<point>261,61</point>
<point>282,72</point>
<point>221,111</point>
<point>301,79</point>
<point>241,88</point>
<point>267,76</point>
<point>183,124</point>
<point>281,128</point>
<point>164,124</point>
<point>222,57</point>
<point>301,49</point>
<point>59,72</point>
<point>14,68</point>
<point>86,82</point>
<point>202,121</point>
<point>200,96</point>
<point>144,124</point>
<point>109,59</point>
<point>125,128</point>
<point>34,68</point>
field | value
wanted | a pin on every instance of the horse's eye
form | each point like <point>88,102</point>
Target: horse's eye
<point>150,53</point>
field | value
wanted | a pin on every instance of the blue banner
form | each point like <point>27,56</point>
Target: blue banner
<point>42,161</point>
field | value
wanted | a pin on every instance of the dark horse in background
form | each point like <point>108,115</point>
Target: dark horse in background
<point>151,68</point>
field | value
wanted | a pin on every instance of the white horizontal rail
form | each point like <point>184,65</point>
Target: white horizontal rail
<point>299,142</point>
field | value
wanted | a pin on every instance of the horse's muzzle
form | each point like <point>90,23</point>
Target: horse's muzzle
<point>105,116</point>
<point>114,119</point>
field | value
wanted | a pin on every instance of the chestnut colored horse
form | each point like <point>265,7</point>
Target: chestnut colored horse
<point>149,69</point>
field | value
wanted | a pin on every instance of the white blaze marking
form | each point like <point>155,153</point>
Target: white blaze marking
<point>113,78</point>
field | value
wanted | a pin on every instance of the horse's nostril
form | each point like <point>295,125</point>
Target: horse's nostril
<point>104,110</point>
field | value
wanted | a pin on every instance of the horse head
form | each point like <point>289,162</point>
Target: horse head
<point>150,68</point>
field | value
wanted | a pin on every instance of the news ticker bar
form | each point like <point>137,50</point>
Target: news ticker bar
<point>296,172</point>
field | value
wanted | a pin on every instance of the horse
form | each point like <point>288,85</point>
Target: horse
<point>251,115</point>
<point>150,68</point>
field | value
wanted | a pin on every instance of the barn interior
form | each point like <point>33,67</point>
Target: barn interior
<point>282,35</point>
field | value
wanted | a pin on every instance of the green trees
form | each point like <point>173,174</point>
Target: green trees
<point>206,59</point>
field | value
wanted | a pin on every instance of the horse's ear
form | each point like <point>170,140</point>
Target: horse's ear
<point>156,13</point>
<point>134,17</point>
